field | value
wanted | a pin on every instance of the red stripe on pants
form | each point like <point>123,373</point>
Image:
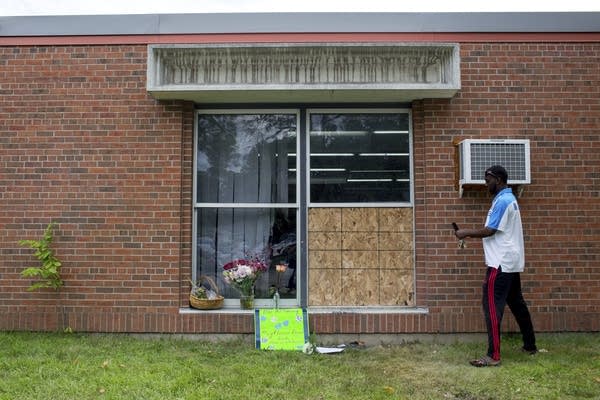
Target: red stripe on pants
<point>493,313</point>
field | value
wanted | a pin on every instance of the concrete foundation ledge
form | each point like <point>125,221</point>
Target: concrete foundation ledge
<point>369,340</point>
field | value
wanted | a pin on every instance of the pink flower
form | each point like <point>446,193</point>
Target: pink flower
<point>242,274</point>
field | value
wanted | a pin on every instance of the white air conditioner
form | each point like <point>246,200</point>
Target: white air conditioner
<point>476,155</point>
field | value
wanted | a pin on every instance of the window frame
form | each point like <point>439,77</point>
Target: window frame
<point>231,303</point>
<point>302,199</point>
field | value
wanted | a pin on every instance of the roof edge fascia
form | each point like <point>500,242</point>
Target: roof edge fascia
<point>309,22</point>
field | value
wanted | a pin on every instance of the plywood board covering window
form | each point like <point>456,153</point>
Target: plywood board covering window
<point>361,257</point>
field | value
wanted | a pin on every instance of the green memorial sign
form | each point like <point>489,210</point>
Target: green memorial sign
<point>281,329</point>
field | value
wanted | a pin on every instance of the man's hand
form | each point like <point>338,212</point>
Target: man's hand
<point>461,242</point>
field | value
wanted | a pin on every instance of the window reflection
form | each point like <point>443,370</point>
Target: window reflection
<point>262,234</point>
<point>359,157</point>
<point>246,170</point>
<point>245,158</point>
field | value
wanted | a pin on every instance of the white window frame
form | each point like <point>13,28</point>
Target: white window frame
<point>302,173</point>
<point>234,303</point>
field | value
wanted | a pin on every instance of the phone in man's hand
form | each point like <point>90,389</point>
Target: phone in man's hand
<point>461,242</point>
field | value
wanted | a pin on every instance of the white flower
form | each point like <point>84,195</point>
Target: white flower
<point>243,271</point>
<point>308,348</point>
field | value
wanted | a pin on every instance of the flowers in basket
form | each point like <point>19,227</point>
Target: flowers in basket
<point>202,292</point>
<point>242,274</point>
<point>205,295</point>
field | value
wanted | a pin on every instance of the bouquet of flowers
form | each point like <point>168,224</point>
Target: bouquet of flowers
<point>242,274</point>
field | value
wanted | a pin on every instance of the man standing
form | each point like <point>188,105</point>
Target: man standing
<point>505,258</point>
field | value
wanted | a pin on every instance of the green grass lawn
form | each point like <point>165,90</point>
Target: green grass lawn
<point>79,366</point>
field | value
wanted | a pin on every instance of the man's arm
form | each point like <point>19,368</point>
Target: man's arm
<point>475,233</point>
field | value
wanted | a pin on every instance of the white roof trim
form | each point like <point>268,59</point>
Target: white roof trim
<point>353,22</point>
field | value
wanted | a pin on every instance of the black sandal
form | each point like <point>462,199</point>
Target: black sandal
<point>485,361</point>
<point>530,352</point>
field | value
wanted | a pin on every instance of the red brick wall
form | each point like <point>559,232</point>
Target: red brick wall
<point>83,144</point>
<point>549,94</point>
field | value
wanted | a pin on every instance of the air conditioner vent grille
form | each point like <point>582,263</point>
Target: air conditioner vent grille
<point>510,155</point>
<point>476,155</point>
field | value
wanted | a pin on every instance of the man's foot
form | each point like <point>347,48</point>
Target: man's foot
<point>485,361</point>
<point>530,352</point>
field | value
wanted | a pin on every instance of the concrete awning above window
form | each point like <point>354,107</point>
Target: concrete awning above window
<point>284,73</point>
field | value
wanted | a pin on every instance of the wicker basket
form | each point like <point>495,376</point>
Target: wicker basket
<point>207,304</point>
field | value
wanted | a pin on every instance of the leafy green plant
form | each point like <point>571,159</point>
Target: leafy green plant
<point>48,272</point>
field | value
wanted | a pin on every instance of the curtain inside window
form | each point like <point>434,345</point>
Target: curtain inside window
<point>243,159</point>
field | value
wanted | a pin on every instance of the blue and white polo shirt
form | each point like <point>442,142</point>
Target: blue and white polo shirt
<point>506,246</point>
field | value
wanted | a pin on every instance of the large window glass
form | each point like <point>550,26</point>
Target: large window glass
<point>266,235</point>
<point>250,167</point>
<point>245,191</point>
<point>246,158</point>
<point>358,157</point>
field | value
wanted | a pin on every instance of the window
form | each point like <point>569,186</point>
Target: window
<point>245,195</point>
<point>246,158</point>
<point>358,157</point>
<point>258,172</point>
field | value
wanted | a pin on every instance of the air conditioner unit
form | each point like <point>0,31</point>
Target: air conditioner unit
<point>476,155</point>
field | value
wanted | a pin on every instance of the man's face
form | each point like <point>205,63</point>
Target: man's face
<point>492,183</point>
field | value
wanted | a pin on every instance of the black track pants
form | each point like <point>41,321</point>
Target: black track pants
<point>499,289</point>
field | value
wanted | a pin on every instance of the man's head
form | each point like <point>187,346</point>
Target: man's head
<point>496,178</point>
<point>498,172</point>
